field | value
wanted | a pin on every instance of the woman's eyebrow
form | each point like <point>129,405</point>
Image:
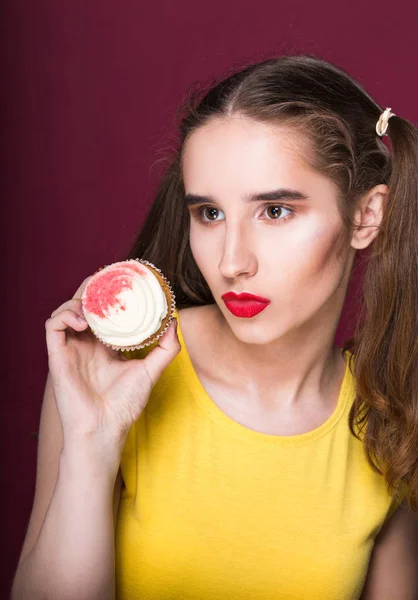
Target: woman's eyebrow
<point>280,194</point>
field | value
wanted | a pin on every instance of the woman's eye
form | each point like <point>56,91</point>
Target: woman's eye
<point>209,212</point>
<point>275,211</point>
<point>278,212</point>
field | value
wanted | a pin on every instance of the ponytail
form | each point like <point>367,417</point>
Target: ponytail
<point>385,412</point>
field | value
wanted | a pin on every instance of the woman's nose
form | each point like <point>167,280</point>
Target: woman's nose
<point>238,256</point>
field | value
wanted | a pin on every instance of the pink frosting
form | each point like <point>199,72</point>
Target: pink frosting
<point>103,289</point>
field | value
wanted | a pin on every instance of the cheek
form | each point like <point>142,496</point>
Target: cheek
<point>319,251</point>
<point>199,248</point>
<point>203,248</point>
<point>311,271</point>
<point>300,253</point>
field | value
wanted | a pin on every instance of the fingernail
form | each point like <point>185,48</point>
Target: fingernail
<point>81,319</point>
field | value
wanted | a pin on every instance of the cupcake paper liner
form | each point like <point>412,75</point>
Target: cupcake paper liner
<point>171,306</point>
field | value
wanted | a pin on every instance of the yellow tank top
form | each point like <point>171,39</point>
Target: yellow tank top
<point>212,510</point>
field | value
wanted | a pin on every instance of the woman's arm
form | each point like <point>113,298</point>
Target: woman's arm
<point>393,569</point>
<point>92,398</point>
<point>69,546</point>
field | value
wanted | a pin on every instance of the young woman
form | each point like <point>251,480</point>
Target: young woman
<point>247,456</point>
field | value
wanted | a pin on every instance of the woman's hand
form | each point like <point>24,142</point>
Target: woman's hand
<point>97,390</point>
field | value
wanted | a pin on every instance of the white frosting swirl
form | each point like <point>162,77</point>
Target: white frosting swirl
<point>138,309</point>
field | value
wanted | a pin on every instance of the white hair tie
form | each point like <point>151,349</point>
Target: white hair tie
<point>383,122</point>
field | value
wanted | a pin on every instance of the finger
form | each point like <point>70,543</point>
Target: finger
<point>56,326</point>
<point>74,304</point>
<point>161,356</point>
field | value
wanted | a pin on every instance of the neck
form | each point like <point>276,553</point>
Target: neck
<point>304,363</point>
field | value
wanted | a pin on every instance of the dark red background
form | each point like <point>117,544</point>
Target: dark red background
<point>92,88</point>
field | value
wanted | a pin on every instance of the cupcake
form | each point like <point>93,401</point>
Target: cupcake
<point>128,305</point>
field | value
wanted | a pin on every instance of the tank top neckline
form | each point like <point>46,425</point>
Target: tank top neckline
<point>212,410</point>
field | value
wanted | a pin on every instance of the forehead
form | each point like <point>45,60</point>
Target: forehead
<point>238,148</point>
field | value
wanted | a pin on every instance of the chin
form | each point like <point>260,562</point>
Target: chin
<point>249,331</point>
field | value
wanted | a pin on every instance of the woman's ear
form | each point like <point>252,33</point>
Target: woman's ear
<point>368,216</point>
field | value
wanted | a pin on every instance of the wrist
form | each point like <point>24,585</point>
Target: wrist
<point>91,455</point>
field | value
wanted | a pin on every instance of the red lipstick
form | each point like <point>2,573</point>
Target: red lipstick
<point>244,305</point>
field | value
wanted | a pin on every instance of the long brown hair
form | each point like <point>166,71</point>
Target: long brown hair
<point>338,116</point>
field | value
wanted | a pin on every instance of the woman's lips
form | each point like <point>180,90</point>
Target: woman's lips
<point>244,305</point>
